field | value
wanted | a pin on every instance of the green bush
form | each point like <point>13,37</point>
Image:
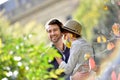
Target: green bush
<point>20,57</point>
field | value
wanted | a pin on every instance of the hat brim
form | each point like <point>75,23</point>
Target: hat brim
<point>69,30</point>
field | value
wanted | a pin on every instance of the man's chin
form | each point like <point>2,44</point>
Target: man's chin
<point>54,41</point>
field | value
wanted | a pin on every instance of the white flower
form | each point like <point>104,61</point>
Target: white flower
<point>17,58</point>
<point>4,78</point>
<point>25,38</point>
<point>15,73</point>
<point>27,68</point>
<point>30,35</point>
<point>7,68</point>
<point>17,47</point>
<point>19,63</point>
<point>21,44</point>
<point>11,52</point>
<point>9,74</point>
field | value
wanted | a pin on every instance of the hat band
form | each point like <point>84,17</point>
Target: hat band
<point>71,30</point>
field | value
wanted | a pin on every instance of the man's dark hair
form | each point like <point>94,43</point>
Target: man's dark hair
<point>57,22</point>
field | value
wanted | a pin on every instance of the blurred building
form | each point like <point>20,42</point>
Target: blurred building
<point>40,10</point>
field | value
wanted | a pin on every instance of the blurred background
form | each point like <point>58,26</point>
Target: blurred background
<point>23,36</point>
<point>29,13</point>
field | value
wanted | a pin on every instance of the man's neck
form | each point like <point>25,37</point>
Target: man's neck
<point>59,45</point>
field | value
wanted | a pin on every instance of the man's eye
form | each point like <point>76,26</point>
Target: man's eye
<point>49,31</point>
<point>55,29</point>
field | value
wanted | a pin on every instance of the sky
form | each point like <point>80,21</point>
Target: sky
<point>2,1</point>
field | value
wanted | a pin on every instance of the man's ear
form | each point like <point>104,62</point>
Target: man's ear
<point>63,37</point>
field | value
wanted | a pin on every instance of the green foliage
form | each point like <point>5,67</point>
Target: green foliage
<point>88,14</point>
<point>20,57</point>
<point>97,17</point>
<point>21,60</point>
<point>3,27</point>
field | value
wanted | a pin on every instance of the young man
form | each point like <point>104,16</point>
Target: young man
<point>54,30</point>
<point>80,52</point>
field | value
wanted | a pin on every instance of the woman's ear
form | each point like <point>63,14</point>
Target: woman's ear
<point>71,35</point>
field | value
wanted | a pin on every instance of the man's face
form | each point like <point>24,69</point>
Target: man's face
<point>54,33</point>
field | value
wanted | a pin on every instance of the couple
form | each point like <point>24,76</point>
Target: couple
<point>65,37</point>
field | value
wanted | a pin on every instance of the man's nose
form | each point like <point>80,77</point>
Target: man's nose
<point>52,33</point>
